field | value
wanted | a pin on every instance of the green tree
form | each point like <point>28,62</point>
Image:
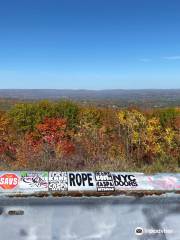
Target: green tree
<point>24,116</point>
<point>27,115</point>
<point>68,110</point>
<point>166,116</point>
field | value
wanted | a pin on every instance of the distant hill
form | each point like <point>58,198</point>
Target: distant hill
<point>147,98</point>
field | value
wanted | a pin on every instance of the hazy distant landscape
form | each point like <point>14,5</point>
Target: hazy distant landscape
<point>144,98</point>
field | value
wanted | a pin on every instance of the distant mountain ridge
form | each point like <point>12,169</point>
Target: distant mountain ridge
<point>87,94</point>
<point>152,97</point>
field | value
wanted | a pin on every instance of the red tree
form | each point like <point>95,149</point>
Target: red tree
<point>52,135</point>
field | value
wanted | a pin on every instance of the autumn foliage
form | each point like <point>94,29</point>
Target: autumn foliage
<point>52,133</point>
<point>7,140</point>
<point>66,135</point>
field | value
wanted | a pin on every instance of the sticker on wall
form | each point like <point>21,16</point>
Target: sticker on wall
<point>58,181</point>
<point>9,181</point>
<point>81,181</point>
<point>104,182</point>
<point>125,181</point>
<point>34,180</point>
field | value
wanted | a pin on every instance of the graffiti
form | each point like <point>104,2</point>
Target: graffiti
<point>104,182</point>
<point>126,180</point>
<point>87,181</point>
<point>58,181</point>
<point>34,180</point>
<point>8,181</point>
<point>163,182</point>
<point>177,186</point>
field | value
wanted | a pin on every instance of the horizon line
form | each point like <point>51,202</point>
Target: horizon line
<point>84,89</point>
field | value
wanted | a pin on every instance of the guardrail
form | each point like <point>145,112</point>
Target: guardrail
<point>87,183</point>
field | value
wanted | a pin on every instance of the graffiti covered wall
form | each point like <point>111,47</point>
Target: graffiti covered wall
<point>30,182</point>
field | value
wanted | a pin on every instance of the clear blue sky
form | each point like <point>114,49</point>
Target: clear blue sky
<point>90,44</point>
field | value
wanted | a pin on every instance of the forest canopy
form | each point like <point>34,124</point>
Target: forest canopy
<point>66,135</point>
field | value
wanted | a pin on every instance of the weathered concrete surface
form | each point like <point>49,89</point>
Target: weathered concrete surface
<point>34,182</point>
<point>101,218</point>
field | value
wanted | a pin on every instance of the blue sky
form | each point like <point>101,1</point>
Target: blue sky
<point>90,44</point>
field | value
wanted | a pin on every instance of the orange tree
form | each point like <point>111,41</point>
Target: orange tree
<point>7,138</point>
<point>52,136</point>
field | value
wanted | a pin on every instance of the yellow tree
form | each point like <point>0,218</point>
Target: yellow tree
<point>152,139</point>
<point>132,124</point>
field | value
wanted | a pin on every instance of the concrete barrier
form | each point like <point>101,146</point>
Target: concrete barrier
<point>95,183</point>
<point>94,218</point>
<point>24,214</point>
